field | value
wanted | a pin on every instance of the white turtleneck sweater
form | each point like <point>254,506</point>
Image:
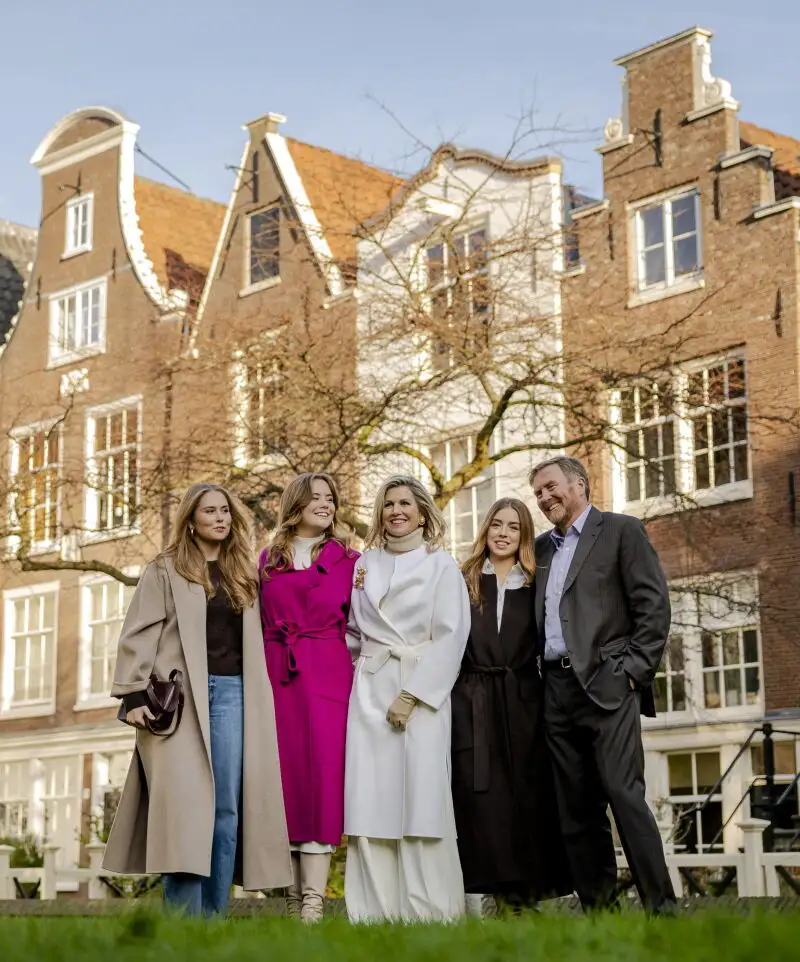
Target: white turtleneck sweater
<point>301,551</point>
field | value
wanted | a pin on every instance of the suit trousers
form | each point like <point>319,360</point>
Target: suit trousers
<point>598,761</point>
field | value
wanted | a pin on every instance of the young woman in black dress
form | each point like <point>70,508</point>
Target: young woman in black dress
<point>508,829</point>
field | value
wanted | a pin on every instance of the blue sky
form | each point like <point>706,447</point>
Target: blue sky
<point>370,79</point>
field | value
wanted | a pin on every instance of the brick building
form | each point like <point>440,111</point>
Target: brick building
<point>686,298</point>
<point>141,359</point>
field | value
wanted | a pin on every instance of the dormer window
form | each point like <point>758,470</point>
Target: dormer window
<point>80,214</point>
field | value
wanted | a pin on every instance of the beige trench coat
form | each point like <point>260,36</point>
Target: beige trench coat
<point>166,825</point>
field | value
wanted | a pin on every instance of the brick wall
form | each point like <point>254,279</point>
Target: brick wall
<point>750,275</point>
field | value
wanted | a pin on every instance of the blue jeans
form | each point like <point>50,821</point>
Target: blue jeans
<point>196,894</point>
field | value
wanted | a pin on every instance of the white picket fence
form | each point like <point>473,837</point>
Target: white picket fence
<point>756,870</point>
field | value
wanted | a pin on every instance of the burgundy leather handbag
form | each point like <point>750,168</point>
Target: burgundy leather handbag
<point>165,701</point>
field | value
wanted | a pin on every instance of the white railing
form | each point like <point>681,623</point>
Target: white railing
<point>756,870</point>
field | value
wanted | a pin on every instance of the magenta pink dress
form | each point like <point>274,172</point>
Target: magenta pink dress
<point>303,615</point>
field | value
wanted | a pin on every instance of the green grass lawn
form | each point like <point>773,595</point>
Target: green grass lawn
<point>145,936</point>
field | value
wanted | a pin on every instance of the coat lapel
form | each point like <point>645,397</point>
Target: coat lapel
<point>545,549</point>
<point>379,577</point>
<point>591,529</point>
<point>490,592</point>
<point>190,607</point>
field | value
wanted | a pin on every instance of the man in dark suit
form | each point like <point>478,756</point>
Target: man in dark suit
<point>603,615</point>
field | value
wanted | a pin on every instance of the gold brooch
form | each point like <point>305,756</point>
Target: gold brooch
<point>361,573</point>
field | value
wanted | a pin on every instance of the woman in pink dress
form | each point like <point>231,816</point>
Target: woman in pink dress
<point>306,575</point>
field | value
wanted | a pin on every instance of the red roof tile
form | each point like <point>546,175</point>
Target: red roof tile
<point>179,232</point>
<point>343,192</point>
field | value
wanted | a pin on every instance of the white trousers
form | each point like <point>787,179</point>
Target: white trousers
<point>408,880</point>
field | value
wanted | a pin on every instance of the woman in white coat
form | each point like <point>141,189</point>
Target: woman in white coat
<point>408,628</point>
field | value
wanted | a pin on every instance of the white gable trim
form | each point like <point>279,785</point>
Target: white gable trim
<point>123,137</point>
<point>293,184</point>
<point>221,241</point>
<point>132,234</point>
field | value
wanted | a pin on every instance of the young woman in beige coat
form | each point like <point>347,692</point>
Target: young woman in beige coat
<point>204,805</point>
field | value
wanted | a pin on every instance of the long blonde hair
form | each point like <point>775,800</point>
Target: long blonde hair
<point>473,566</point>
<point>296,497</point>
<point>434,529</point>
<point>236,564</point>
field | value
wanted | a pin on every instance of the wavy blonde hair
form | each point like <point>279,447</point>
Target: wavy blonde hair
<point>435,527</point>
<point>236,563</point>
<point>473,566</point>
<point>296,497</point>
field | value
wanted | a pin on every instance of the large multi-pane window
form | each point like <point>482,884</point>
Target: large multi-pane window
<point>263,246</point>
<point>62,789</point>
<point>43,797</point>
<point>647,418</point>
<point>458,287</point>
<point>14,798</point>
<point>465,512</point>
<point>682,434</point>
<point>260,422</point>
<point>29,651</point>
<point>105,602</point>
<point>77,322</point>
<point>692,777</point>
<point>669,684</point>
<point>717,409</point>
<point>35,475</point>
<point>112,438</point>
<point>713,658</point>
<point>668,241</point>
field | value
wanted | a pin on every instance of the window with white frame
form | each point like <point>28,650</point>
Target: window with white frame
<point>465,512</point>
<point>692,776</point>
<point>62,790</point>
<point>712,662</point>
<point>14,798</point>
<point>458,288</point>
<point>80,212</point>
<point>668,241</point>
<point>683,434</point>
<point>29,651</point>
<point>263,236</point>
<point>108,778</point>
<point>78,322</point>
<point>113,449</point>
<point>647,418</point>
<point>104,604</point>
<point>717,410</point>
<point>35,484</point>
<point>669,684</point>
<point>258,387</point>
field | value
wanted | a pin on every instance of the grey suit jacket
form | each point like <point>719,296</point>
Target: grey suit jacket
<point>615,610</point>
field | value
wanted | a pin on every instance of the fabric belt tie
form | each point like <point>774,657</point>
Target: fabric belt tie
<point>378,656</point>
<point>288,633</point>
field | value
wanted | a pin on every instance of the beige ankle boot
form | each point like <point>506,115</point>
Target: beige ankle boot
<point>294,895</point>
<point>314,881</point>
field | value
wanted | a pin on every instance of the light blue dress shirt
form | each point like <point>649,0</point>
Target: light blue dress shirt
<point>554,645</point>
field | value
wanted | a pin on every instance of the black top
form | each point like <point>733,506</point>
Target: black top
<point>223,637</point>
<point>223,630</point>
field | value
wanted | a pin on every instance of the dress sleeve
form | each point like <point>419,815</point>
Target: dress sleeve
<point>141,631</point>
<point>435,673</point>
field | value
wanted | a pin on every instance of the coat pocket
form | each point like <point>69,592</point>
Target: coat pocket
<point>611,649</point>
